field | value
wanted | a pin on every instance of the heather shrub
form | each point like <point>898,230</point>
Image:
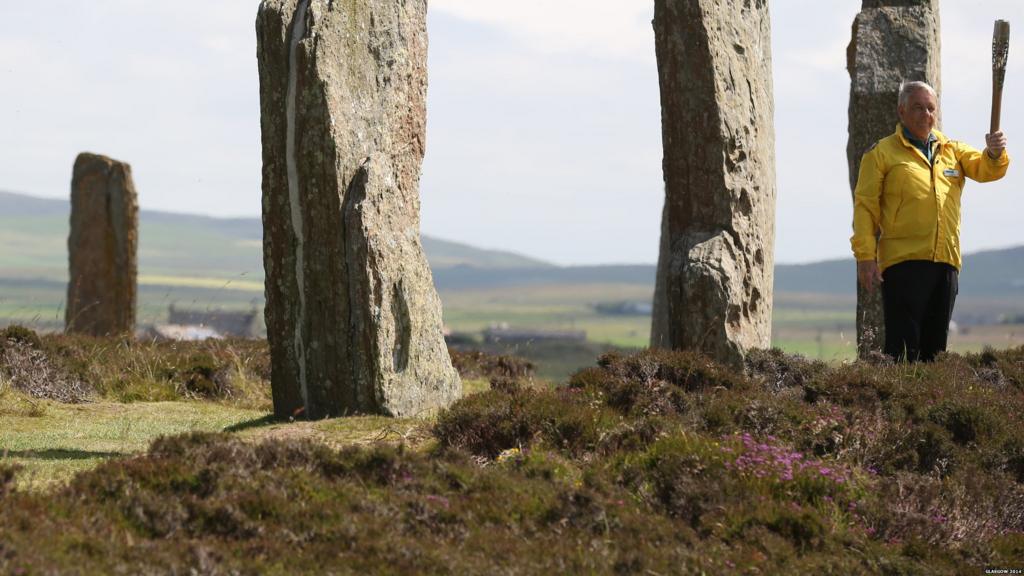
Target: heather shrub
<point>660,462</point>
<point>646,397</point>
<point>199,375</point>
<point>1013,457</point>
<point>7,475</point>
<point>999,367</point>
<point>676,474</point>
<point>21,335</point>
<point>76,368</point>
<point>777,370</point>
<point>689,371</point>
<point>489,423</point>
<point>544,465</point>
<point>129,370</point>
<point>323,510</point>
<point>655,382</point>
<point>967,423</point>
<point>931,449</point>
<point>804,529</point>
<point>27,367</point>
<point>965,508</point>
<point>721,413</point>
<point>858,385</point>
<point>476,364</point>
<point>506,384</point>
<point>1007,549</point>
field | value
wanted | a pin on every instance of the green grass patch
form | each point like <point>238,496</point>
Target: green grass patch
<point>131,393</point>
<point>54,441</point>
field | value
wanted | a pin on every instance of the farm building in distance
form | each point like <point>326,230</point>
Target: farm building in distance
<point>503,334</point>
<point>185,324</point>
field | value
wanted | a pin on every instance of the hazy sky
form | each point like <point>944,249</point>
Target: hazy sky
<point>543,125</point>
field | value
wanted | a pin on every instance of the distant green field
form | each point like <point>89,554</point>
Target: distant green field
<point>817,327</point>
<point>204,263</point>
<point>566,307</point>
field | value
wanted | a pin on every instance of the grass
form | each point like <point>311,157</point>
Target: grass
<point>837,344</point>
<point>143,391</point>
<point>54,441</point>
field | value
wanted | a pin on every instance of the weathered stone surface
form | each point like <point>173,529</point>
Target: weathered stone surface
<point>714,284</point>
<point>353,319</point>
<point>892,41</point>
<point>102,247</point>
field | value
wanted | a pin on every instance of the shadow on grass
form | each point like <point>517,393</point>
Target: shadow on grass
<point>267,420</point>
<point>59,454</point>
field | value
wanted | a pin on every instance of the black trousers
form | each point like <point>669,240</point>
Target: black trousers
<point>918,298</point>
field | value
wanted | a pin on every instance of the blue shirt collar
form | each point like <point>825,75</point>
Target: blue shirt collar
<point>924,146</point>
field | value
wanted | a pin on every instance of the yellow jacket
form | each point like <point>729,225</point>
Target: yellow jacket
<point>913,210</point>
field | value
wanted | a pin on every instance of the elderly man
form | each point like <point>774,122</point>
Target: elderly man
<point>906,221</point>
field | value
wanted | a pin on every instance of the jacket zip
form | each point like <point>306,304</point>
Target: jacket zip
<point>935,193</point>
<point>938,209</point>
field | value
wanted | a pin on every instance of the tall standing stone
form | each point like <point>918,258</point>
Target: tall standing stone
<point>102,248</point>
<point>714,283</point>
<point>892,41</point>
<point>353,319</point>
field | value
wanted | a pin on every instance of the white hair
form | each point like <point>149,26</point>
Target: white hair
<point>909,87</point>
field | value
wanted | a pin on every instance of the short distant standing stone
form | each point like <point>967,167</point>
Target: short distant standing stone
<point>714,284</point>
<point>102,248</point>
<point>353,319</point>
<point>892,41</point>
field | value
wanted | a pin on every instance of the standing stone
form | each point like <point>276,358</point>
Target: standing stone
<point>102,248</point>
<point>714,285</point>
<point>892,41</point>
<point>353,319</point>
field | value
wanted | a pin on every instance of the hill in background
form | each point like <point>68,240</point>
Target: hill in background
<point>200,262</point>
<point>34,234</point>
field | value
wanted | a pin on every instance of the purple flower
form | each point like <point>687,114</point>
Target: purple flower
<point>437,500</point>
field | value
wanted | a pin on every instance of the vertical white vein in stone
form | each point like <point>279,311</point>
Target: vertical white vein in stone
<point>298,30</point>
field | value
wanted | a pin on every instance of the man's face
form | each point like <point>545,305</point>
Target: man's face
<point>919,113</point>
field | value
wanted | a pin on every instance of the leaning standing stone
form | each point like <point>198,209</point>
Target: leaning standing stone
<point>353,319</point>
<point>714,283</point>
<point>102,248</point>
<point>892,41</point>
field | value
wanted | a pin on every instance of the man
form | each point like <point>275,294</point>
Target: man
<point>906,221</point>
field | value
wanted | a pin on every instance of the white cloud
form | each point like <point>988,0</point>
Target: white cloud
<point>603,28</point>
<point>544,115</point>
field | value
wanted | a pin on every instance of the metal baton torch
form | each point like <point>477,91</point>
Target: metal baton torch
<point>1000,53</point>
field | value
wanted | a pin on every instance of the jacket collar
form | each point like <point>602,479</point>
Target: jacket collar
<point>939,136</point>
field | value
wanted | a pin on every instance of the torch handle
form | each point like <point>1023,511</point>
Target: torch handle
<point>1000,53</point>
<point>997,107</point>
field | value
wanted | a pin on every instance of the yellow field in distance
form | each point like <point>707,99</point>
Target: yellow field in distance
<point>193,282</point>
